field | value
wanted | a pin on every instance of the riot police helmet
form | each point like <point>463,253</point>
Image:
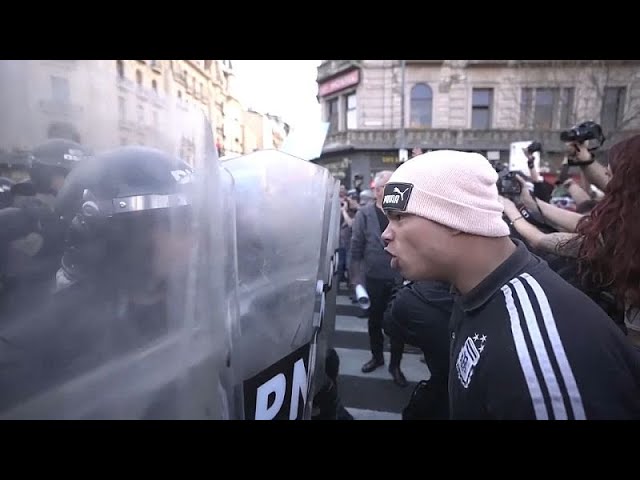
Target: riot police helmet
<point>54,158</point>
<point>115,205</point>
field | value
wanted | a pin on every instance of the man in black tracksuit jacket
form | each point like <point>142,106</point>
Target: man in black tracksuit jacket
<point>527,345</point>
<point>524,343</point>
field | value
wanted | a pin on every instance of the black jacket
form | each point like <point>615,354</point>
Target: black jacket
<point>527,345</point>
<point>367,246</point>
<point>419,314</point>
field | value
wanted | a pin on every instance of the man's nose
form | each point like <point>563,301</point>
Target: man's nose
<point>387,235</point>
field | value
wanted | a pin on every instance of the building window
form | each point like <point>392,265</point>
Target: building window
<point>547,108</point>
<point>481,108</point>
<point>352,116</point>
<point>193,85</point>
<point>122,108</point>
<point>60,90</point>
<point>154,86</point>
<point>421,105</point>
<point>567,99</point>
<point>545,100</point>
<point>140,114</point>
<point>332,114</point>
<point>612,113</point>
<point>179,94</point>
<point>139,78</point>
<point>526,100</point>
<point>120,69</point>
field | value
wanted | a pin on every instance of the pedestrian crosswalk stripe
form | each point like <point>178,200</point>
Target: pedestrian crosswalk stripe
<point>351,361</point>
<point>345,323</point>
<point>362,414</point>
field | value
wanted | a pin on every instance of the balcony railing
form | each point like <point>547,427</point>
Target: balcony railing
<point>464,139</point>
<point>440,139</point>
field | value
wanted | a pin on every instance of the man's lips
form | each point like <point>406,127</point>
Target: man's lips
<point>394,259</point>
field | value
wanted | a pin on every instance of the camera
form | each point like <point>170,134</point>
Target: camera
<point>508,184</point>
<point>534,147</point>
<point>584,132</point>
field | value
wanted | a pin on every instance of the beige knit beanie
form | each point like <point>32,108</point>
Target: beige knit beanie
<point>452,188</point>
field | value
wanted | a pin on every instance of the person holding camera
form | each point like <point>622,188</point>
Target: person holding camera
<point>578,139</point>
<point>582,140</point>
<point>524,343</point>
<point>541,188</point>
<point>603,242</point>
<point>563,223</point>
<point>608,255</point>
<point>348,208</point>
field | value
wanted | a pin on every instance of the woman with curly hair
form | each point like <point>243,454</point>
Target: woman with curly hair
<point>609,251</point>
<point>606,243</point>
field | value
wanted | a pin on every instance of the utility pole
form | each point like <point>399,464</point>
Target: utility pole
<point>403,147</point>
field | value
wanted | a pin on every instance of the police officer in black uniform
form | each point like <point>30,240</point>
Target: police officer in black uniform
<point>122,286</point>
<point>34,235</point>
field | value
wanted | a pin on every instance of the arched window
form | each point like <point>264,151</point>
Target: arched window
<point>154,85</point>
<point>120,68</point>
<point>139,78</point>
<point>421,105</point>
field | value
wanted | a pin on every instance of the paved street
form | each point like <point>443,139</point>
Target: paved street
<point>370,396</point>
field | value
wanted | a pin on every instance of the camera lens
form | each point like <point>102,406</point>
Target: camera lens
<point>567,136</point>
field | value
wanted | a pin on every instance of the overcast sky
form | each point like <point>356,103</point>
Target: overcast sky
<point>286,88</point>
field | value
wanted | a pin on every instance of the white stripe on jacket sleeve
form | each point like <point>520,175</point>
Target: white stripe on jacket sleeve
<point>558,348</point>
<point>535,393</point>
<point>549,376</point>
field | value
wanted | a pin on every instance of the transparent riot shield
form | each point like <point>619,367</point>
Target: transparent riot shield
<point>282,228</point>
<point>324,314</point>
<point>127,309</point>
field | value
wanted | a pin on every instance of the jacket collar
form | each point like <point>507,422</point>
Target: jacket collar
<point>486,289</point>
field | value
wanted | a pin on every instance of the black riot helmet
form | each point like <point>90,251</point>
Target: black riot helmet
<point>56,156</point>
<point>113,203</point>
